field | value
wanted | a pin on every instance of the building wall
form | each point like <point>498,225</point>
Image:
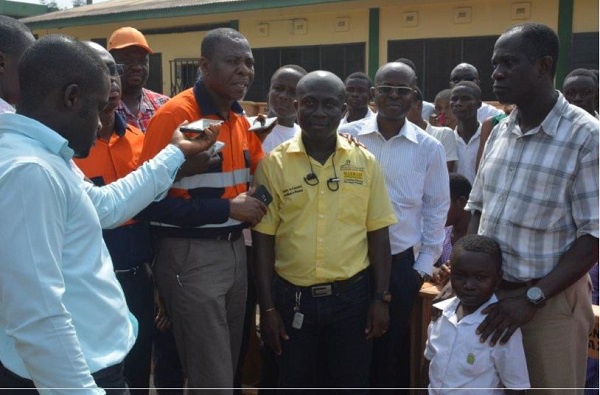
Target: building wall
<point>435,18</point>
<point>490,17</point>
<point>585,16</point>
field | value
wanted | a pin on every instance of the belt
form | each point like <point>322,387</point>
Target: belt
<point>510,285</point>
<point>227,234</point>
<point>328,289</point>
<point>131,272</point>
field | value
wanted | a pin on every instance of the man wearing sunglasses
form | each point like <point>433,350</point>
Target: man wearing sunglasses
<point>416,175</point>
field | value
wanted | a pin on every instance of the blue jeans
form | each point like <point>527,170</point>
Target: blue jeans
<point>391,352</point>
<point>330,349</point>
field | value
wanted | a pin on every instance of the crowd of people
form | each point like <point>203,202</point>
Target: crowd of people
<point>126,246</point>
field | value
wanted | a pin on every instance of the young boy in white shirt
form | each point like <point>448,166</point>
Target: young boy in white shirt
<point>457,359</point>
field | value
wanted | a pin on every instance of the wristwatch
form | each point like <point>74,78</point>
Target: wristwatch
<point>426,277</point>
<point>536,296</point>
<point>385,296</point>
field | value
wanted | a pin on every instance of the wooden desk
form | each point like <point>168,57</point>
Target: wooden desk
<point>593,339</point>
<point>420,318</point>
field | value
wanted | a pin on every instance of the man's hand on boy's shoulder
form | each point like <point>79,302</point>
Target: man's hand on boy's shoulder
<point>504,318</point>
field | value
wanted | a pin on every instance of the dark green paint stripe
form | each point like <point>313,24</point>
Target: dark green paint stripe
<point>565,36</point>
<point>373,41</point>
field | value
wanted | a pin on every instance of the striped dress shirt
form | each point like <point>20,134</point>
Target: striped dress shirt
<point>416,176</point>
<point>538,191</point>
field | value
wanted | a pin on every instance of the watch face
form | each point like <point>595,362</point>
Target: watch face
<point>535,294</point>
<point>387,297</point>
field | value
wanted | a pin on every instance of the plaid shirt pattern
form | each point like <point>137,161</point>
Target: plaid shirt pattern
<point>150,102</point>
<point>538,191</point>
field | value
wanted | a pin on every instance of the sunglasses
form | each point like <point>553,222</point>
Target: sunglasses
<point>389,90</point>
<point>116,69</point>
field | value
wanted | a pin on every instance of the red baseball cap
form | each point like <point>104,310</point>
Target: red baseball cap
<point>126,37</point>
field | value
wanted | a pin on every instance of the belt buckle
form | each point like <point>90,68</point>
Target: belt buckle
<point>229,236</point>
<point>321,290</point>
<point>134,270</point>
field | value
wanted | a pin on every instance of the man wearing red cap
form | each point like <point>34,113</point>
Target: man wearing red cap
<point>129,47</point>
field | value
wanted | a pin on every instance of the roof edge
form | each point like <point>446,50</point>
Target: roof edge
<point>171,12</point>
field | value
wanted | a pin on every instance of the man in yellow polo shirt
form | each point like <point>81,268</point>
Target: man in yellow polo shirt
<point>322,250</point>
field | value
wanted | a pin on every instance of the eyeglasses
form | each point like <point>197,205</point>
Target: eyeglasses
<point>116,69</point>
<point>389,90</point>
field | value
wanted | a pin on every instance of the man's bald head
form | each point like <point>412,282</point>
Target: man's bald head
<point>395,68</point>
<point>325,78</point>
<point>464,72</point>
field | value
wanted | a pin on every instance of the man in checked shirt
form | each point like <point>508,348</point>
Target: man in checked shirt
<point>536,194</point>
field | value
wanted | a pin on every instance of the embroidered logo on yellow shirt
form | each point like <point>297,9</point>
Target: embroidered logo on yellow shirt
<point>352,174</point>
<point>292,190</point>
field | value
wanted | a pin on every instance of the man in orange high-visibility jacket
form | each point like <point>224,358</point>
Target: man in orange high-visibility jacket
<point>201,271</point>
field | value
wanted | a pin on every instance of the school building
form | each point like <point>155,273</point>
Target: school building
<point>342,36</point>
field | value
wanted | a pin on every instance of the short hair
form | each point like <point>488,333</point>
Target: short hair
<point>476,89</point>
<point>359,75</point>
<point>459,186</point>
<point>418,93</point>
<point>582,73</point>
<point>407,62</point>
<point>443,95</point>
<point>213,38</point>
<point>13,35</point>
<point>477,243</point>
<point>537,40</point>
<point>54,62</point>
<point>299,69</point>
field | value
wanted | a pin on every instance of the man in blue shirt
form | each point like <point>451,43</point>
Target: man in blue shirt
<point>64,322</point>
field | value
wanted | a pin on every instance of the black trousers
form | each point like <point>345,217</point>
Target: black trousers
<point>390,366</point>
<point>110,379</point>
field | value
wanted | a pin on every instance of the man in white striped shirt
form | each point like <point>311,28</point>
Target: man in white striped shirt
<point>416,176</point>
<point>536,194</point>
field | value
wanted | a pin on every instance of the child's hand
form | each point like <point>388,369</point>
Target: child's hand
<point>441,275</point>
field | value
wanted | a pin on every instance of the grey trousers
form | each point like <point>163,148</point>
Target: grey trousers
<point>203,284</point>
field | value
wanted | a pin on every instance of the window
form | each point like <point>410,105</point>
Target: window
<point>184,72</point>
<point>584,51</point>
<point>341,60</point>
<point>435,58</point>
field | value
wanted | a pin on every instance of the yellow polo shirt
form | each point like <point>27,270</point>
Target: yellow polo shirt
<point>321,235</point>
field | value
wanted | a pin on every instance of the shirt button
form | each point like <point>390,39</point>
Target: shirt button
<point>322,192</point>
<point>321,216</point>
